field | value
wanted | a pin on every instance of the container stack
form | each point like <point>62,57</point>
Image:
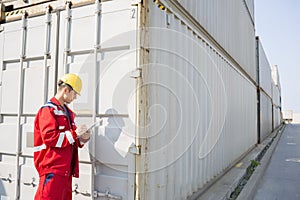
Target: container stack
<point>202,60</point>
<point>175,83</point>
<point>269,93</point>
<point>276,96</point>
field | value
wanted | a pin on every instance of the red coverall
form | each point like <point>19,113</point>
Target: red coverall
<point>55,151</point>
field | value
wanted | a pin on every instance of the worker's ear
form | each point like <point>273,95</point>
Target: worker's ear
<point>66,90</point>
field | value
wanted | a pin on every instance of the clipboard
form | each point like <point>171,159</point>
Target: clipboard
<point>94,125</point>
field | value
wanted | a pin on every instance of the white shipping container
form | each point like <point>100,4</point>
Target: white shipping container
<point>266,117</point>
<point>33,55</point>
<point>199,111</point>
<point>276,117</point>
<point>176,111</point>
<point>276,95</point>
<point>275,76</point>
<point>230,24</point>
<point>264,69</point>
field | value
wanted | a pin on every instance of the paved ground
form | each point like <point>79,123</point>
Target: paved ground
<point>281,180</point>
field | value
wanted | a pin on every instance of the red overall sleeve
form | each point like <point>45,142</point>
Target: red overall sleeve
<point>51,132</point>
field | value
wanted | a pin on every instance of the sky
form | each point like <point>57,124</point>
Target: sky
<point>277,24</point>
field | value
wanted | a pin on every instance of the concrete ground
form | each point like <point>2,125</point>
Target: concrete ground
<point>226,185</point>
<point>281,180</point>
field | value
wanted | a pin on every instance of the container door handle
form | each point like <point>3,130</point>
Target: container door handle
<point>32,183</point>
<point>107,195</point>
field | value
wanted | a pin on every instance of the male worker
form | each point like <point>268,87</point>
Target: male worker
<point>56,142</point>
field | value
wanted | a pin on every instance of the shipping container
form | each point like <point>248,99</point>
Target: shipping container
<point>264,93</point>
<point>183,155</point>
<point>35,51</point>
<point>275,76</point>
<point>276,95</point>
<point>229,23</point>
<point>276,117</point>
<point>176,109</point>
<point>265,116</point>
<point>264,69</point>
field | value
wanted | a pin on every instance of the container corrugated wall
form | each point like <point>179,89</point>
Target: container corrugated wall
<point>277,117</point>
<point>266,120</point>
<point>231,25</point>
<point>201,110</point>
<point>264,83</point>
<point>275,76</point>
<point>276,95</point>
<point>265,78</point>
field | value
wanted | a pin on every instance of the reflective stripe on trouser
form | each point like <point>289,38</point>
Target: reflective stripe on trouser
<point>54,187</point>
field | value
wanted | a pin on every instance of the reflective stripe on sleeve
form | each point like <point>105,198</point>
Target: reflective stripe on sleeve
<point>70,137</point>
<point>60,139</point>
<point>39,148</point>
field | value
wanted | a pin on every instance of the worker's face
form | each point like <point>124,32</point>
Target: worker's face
<point>69,95</point>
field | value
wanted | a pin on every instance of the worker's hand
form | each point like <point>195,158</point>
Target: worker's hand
<point>83,134</point>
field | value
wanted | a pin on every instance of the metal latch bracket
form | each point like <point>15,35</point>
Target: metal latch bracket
<point>136,73</point>
<point>135,149</point>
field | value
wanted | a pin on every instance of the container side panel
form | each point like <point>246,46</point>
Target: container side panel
<point>199,103</point>
<point>265,79</point>
<point>265,115</point>
<point>230,24</point>
<point>276,94</point>
<point>277,117</point>
<point>275,76</point>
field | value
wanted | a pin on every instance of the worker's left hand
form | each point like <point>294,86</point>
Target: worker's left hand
<point>83,134</point>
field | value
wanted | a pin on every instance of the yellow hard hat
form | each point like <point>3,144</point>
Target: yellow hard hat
<point>74,81</point>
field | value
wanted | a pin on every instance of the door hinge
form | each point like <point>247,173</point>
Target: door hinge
<point>135,149</point>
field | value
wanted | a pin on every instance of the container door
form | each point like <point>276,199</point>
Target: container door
<point>98,42</point>
<point>27,68</point>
